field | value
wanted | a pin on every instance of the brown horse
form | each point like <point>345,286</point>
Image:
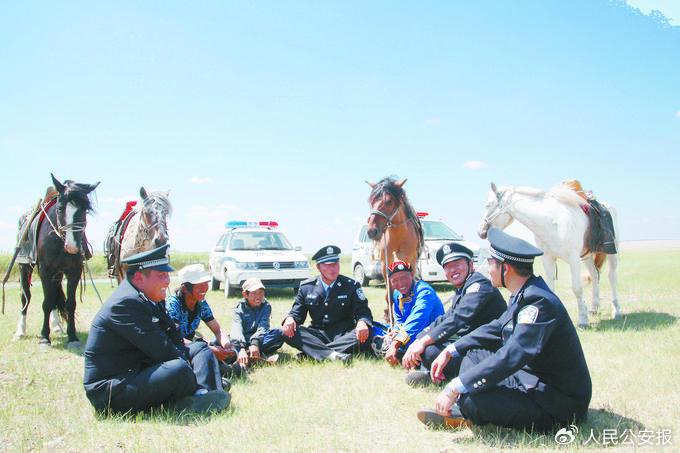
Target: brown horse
<point>394,227</point>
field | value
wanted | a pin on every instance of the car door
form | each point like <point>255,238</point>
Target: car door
<point>362,252</point>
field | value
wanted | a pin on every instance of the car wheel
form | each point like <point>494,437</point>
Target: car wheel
<point>215,284</point>
<point>228,290</point>
<point>360,275</point>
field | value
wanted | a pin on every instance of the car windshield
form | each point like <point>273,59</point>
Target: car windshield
<point>438,230</point>
<point>259,240</point>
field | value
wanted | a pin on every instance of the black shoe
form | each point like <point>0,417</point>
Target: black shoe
<point>418,378</point>
<point>213,401</point>
<point>226,384</point>
<point>434,420</point>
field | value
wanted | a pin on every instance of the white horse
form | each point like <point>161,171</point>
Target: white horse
<point>559,226</point>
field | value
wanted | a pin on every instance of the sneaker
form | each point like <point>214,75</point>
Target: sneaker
<point>434,420</point>
<point>213,401</point>
<point>340,357</point>
<point>272,359</point>
<point>418,378</point>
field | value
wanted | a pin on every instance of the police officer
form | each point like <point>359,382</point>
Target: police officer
<point>338,308</point>
<point>475,303</point>
<point>524,370</point>
<point>135,357</point>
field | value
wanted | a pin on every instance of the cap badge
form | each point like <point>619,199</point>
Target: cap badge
<point>329,250</point>
<point>447,248</point>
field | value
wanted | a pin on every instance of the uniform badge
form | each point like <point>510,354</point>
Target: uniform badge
<point>360,293</point>
<point>473,288</point>
<point>527,315</point>
<point>329,251</point>
<point>447,249</point>
<point>154,319</point>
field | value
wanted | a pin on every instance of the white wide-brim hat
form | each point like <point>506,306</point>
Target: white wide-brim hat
<point>194,274</point>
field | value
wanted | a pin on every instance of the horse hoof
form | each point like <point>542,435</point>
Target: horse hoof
<point>583,325</point>
<point>45,345</point>
<point>57,330</point>
<point>18,336</point>
<point>617,315</point>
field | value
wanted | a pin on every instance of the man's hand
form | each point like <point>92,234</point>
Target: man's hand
<point>289,327</point>
<point>361,331</point>
<point>445,400</point>
<point>243,358</point>
<point>437,370</point>
<point>219,352</point>
<point>254,352</point>
<point>413,355</point>
<point>391,355</point>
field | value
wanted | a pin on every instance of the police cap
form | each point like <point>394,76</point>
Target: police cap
<point>452,251</point>
<point>327,254</point>
<point>156,259</point>
<point>510,249</point>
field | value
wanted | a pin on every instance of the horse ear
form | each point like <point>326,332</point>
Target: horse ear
<point>372,184</point>
<point>142,193</point>
<point>493,188</point>
<point>401,183</point>
<point>57,185</point>
<point>93,186</point>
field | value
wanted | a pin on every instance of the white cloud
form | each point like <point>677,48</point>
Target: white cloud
<point>677,114</point>
<point>475,164</point>
<point>433,120</point>
<point>201,180</point>
<point>669,8</point>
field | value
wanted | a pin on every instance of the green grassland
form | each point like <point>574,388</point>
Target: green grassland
<point>306,406</point>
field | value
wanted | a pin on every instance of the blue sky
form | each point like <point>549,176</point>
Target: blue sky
<point>281,110</point>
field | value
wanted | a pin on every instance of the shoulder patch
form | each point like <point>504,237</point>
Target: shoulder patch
<point>308,281</point>
<point>473,288</point>
<point>360,293</point>
<point>527,315</point>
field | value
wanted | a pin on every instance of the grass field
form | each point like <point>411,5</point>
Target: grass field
<point>305,406</point>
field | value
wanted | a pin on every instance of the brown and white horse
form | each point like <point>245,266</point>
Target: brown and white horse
<point>394,226</point>
<point>144,228</point>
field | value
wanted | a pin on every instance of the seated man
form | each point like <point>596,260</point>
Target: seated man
<point>475,303</point>
<point>135,358</point>
<point>188,307</point>
<point>525,370</point>
<point>338,308</point>
<point>415,306</point>
<point>250,333</point>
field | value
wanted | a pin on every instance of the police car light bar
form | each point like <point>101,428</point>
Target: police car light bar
<point>422,214</point>
<point>244,224</point>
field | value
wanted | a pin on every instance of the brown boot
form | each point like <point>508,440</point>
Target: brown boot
<point>433,419</point>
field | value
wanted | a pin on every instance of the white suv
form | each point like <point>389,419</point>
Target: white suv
<point>256,249</point>
<point>436,233</point>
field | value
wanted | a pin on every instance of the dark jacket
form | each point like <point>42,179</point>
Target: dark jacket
<point>476,303</point>
<point>336,314</point>
<point>128,334</point>
<point>250,324</point>
<point>536,339</point>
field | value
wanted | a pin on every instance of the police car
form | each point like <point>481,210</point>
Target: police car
<point>436,233</point>
<point>256,249</point>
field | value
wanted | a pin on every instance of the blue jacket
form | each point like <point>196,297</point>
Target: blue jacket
<point>415,311</point>
<point>250,324</point>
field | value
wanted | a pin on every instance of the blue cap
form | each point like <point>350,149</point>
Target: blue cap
<point>156,259</point>
<point>327,254</point>
<point>510,249</point>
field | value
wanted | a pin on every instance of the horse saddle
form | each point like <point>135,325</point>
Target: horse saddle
<point>29,225</point>
<point>114,238</point>
<point>600,236</point>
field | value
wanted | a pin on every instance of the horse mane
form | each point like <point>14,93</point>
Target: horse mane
<point>560,193</point>
<point>388,185</point>
<point>79,194</point>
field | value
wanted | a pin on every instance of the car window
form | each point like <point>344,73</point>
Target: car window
<point>225,240</point>
<point>220,241</point>
<point>439,230</point>
<point>259,240</point>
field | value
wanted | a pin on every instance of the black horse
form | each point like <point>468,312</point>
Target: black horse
<point>61,248</point>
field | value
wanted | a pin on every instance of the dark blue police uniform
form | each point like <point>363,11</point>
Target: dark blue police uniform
<point>527,368</point>
<point>135,357</point>
<point>334,314</point>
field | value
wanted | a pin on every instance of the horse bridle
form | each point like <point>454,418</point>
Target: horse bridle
<point>388,218</point>
<point>149,228</point>
<point>499,209</point>
<point>61,229</point>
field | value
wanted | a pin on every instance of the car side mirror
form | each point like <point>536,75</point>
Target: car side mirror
<point>219,248</point>
<point>298,248</point>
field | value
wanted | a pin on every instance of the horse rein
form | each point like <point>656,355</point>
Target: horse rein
<point>498,211</point>
<point>60,230</point>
